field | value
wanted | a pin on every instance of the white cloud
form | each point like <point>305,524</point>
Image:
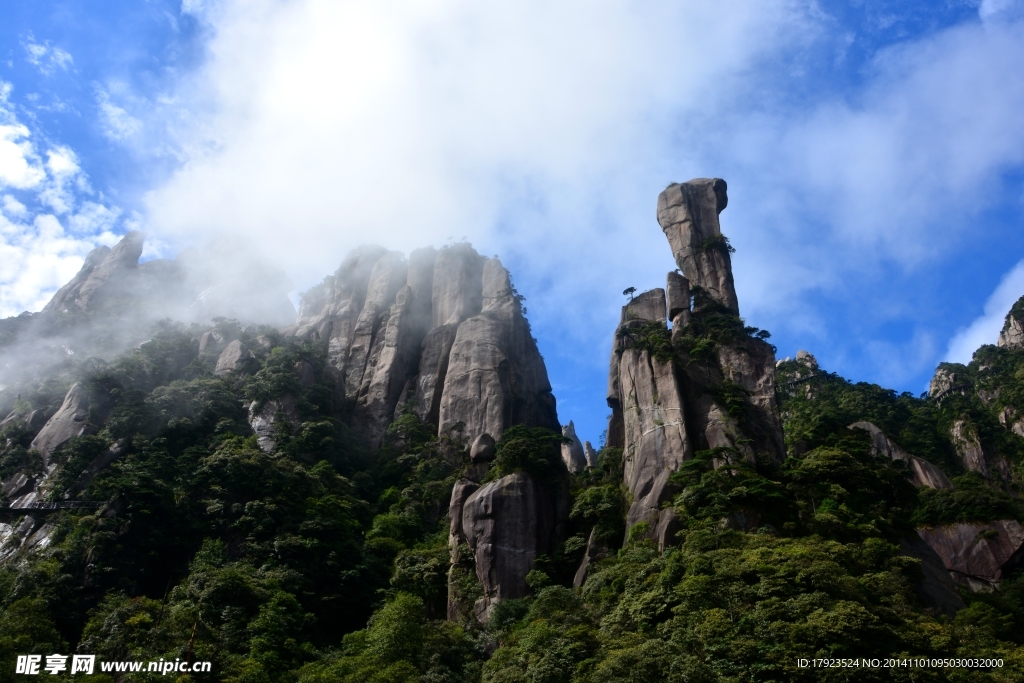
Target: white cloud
<point>12,207</point>
<point>62,161</point>
<point>38,258</point>
<point>39,253</point>
<point>1000,10</point>
<point>544,130</point>
<point>881,185</point>
<point>46,58</point>
<point>117,123</point>
<point>19,166</point>
<point>320,125</point>
<point>985,329</point>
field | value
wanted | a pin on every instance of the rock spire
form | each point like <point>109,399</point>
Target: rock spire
<point>674,395</point>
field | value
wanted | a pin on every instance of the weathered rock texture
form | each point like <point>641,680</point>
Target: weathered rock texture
<point>595,552</point>
<point>443,329</point>
<point>1012,420</point>
<point>590,454</point>
<point>33,419</point>
<point>80,414</point>
<point>978,554</point>
<point>106,273</point>
<point>665,407</point>
<point>655,439</point>
<point>975,456</point>
<point>1012,334</point>
<point>688,213</point>
<point>266,419</point>
<point>507,524</point>
<point>921,472</point>
<point>807,358</point>
<point>573,455</point>
<point>233,358</point>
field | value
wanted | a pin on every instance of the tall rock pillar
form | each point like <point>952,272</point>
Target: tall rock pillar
<point>707,386</point>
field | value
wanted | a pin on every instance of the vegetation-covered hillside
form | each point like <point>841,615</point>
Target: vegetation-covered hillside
<point>325,561</point>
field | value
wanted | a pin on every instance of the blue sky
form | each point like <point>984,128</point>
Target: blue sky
<point>874,153</point>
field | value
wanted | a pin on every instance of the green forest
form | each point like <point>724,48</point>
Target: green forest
<point>326,561</point>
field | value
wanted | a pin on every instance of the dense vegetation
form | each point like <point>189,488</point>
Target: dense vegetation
<point>322,561</point>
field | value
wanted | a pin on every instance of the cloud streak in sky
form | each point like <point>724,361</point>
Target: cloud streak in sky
<point>985,329</point>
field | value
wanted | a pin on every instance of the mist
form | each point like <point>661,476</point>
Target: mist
<point>116,303</point>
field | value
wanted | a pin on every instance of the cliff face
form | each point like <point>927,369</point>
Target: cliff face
<point>446,331</point>
<point>698,388</point>
<point>443,329</point>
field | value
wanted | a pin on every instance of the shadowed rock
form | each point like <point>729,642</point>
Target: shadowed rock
<point>974,456</point>
<point>750,364</point>
<point>461,492</point>
<point>936,587</point>
<point>34,420</point>
<point>98,464</point>
<point>65,298</point>
<point>978,554</point>
<point>507,524</point>
<point>688,213</point>
<point>482,449</point>
<point>590,454</point>
<point>112,273</point>
<point>1009,418</point>
<point>434,354</point>
<point>212,343</point>
<point>17,485</point>
<point>647,306</point>
<point>386,278</point>
<point>677,293</point>
<point>595,552</point>
<point>392,364</point>
<point>921,472</point>
<point>654,425</point>
<point>665,404</point>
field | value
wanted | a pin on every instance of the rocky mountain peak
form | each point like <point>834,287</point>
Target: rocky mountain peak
<point>1012,334</point>
<point>441,329</point>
